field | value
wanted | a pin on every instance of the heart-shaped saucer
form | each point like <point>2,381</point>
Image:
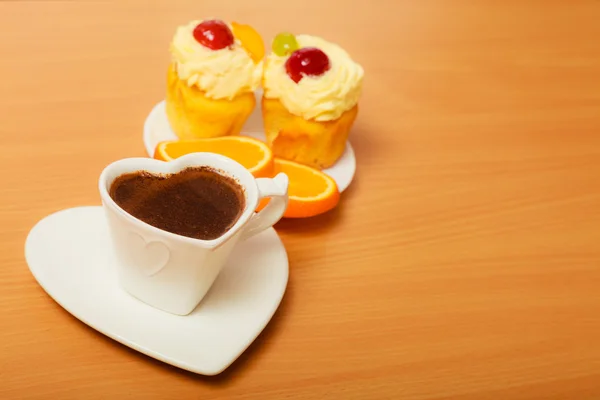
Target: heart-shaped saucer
<point>71,257</point>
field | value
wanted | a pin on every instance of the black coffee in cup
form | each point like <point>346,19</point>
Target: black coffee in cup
<point>198,202</point>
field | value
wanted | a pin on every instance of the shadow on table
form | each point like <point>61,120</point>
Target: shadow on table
<point>313,225</point>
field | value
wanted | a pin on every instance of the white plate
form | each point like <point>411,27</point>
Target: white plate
<point>158,129</point>
<point>70,255</point>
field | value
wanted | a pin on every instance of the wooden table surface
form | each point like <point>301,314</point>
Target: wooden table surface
<point>463,262</point>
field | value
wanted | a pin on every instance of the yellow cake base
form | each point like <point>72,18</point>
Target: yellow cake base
<point>192,115</point>
<point>318,144</point>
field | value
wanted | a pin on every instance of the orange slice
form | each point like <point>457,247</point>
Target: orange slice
<point>311,192</point>
<point>250,39</point>
<point>251,153</point>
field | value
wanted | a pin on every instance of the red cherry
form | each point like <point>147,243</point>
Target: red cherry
<point>306,61</point>
<point>214,34</point>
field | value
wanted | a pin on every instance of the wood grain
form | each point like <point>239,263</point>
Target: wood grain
<point>463,263</point>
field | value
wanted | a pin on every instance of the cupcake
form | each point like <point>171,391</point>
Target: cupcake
<point>214,71</point>
<point>310,100</point>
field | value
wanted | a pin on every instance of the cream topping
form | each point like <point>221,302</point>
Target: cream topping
<point>220,74</point>
<point>322,98</point>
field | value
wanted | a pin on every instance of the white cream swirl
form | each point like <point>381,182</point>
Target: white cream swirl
<point>220,74</point>
<point>322,98</point>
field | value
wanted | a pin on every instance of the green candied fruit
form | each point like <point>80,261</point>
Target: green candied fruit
<point>284,44</point>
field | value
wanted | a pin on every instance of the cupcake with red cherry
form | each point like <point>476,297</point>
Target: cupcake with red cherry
<point>215,69</point>
<point>310,100</point>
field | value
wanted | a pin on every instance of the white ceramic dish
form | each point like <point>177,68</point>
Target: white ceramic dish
<point>70,255</point>
<point>157,129</point>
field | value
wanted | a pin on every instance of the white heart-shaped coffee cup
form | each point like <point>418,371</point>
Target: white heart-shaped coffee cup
<point>177,281</point>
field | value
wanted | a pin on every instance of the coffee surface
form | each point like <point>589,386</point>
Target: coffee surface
<point>197,202</point>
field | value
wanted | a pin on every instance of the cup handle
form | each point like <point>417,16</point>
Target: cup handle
<point>275,188</point>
